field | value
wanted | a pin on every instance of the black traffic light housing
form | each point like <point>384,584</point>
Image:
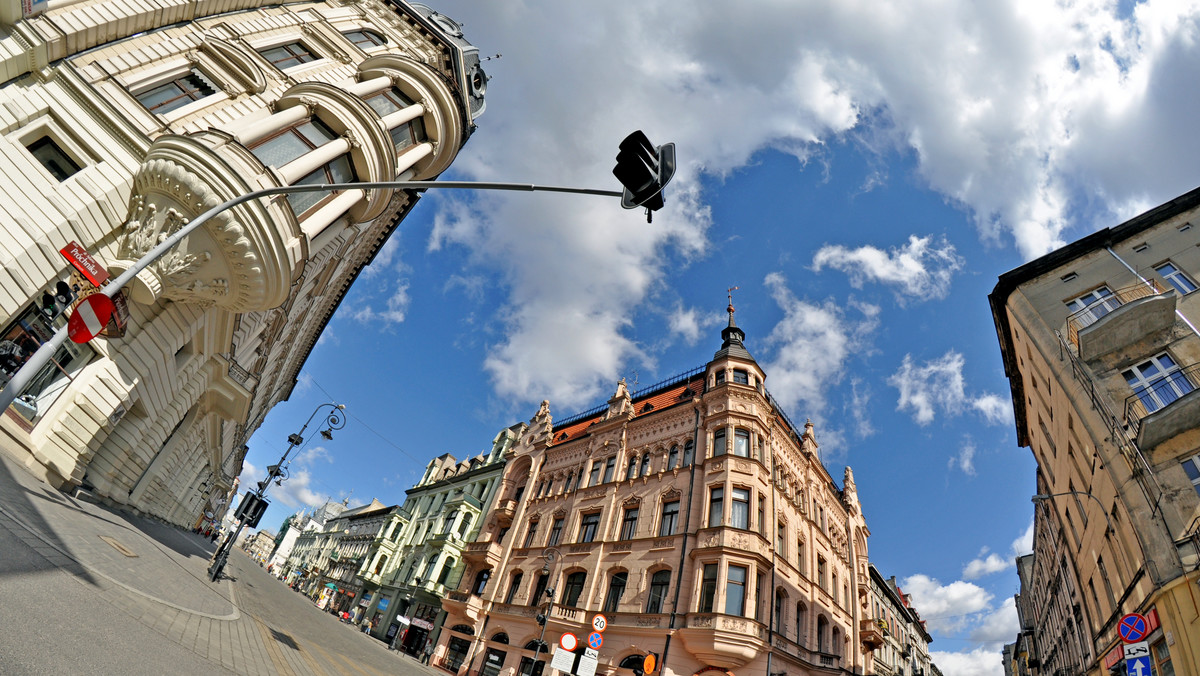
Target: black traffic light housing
<point>644,170</point>
<point>251,509</point>
<point>541,619</point>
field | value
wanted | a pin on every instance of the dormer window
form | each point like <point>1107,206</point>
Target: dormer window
<point>365,40</point>
<point>741,376</point>
<point>289,55</point>
<point>177,93</point>
<point>720,378</point>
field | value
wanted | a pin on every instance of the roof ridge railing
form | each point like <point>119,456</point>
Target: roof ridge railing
<point>643,392</point>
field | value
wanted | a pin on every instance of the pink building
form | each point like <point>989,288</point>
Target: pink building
<point>692,514</point>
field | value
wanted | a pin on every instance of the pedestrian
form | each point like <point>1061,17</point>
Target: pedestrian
<point>428,651</point>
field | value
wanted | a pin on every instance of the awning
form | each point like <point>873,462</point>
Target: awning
<point>330,585</point>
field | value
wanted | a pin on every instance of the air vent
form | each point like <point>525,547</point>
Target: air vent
<point>1069,277</point>
<point>1185,227</point>
<point>1141,247</point>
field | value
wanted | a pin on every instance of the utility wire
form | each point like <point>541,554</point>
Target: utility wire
<point>360,421</point>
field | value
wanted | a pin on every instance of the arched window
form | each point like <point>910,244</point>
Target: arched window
<point>481,580</point>
<point>688,451</point>
<point>672,458</point>
<point>573,588</point>
<point>446,568</point>
<point>463,629</point>
<point>616,589</point>
<point>780,599</point>
<point>536,644</point>
<point>836,642</point>
<point>660,583</point>
<point>645,464</point>
<point>800,612</point>
<point>632,471</point>
<point>822,634</point>
<point>500,637</point>
<point>514,586</point>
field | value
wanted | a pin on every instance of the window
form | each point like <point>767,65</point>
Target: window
<point>288,56</point>
<point>740,518</point>
<point>719,442</point>
<point>741,377</point>
<point>365,39</point>
<point>800,611</point>
<point>513,587</point>
<point>609,465</point>
<point>780,599</point>
<point>629,523</point>
<point>645,464</point>
<point>588,526</point>
<point>481,580</point>
<point>735,591</point>
<point>741,443</point>
<point>720,378</point>
<point>672,458</point>
<point>1157,382</point>
<point>21,338</point>
<point>716,506</point>
<point>821,573</point>
<point>708,588</point>
<point>570,480</point>
<point>539,590</point>
<point>1097,303</point>
<point>573,588</point>
<point>781,540</point>
<point>555,531</point>
<point>529,534</point>
<point>1191,466</point>
<point>670,517</point>
<point>631,472</point>
<point>688,450</point>
<point>1176,278</point>
<point>1162,659</point>
<point>446,568</point>
<point>177,93</point>
<point>297,140</point>
<point>801,562</point>
<point>53,158</point>
<point>594,478</point>
<point>660,583</point>
<point>762,514</point>
<point>616,589</point>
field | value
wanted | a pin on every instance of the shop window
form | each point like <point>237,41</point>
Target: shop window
<point>20,339</point>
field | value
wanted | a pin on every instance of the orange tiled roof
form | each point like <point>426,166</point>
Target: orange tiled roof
<point>641,406</point>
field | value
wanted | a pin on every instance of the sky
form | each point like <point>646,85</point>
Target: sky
<point>861,171</point>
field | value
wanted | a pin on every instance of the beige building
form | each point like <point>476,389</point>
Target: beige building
<point>120,121</point>
<point>693,515</point>
<point>1101,349</point>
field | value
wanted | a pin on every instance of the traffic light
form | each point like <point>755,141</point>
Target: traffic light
<point>649,665</point>
<point>541,619</point>
<point>644,170</point>
<point>49,308</point>
<point>63,293</point>
<point>251,509</point>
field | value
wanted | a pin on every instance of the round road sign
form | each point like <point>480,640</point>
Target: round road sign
<point>595,640</point>
<point>1133,628</point>
<point>599,622</point>
<point>649,663</point>
<point>568,641</point>
<point>90,317</point>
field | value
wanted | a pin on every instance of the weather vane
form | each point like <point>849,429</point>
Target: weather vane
<point>730,290</point>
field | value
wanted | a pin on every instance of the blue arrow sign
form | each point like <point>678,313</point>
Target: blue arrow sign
<point>1138,666</point>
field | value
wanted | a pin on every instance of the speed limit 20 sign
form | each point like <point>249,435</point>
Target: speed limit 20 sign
<point>599,623</point>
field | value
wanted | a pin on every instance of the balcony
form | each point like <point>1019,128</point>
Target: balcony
<point>1121,319</point>
<point>486,554</point>
<point>723,640</point>
<point>1167,407</point>
<point>462,603</point>
<point>871,634</point>
<point>733,538</point>
<point>505,511</point>
<point>459,498</point>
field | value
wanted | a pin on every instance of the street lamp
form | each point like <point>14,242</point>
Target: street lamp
<point>551,555</point>
<point>334,420</point>
<point>1043,497</point>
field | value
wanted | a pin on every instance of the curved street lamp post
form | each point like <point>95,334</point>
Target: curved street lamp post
<point>334,420</point>
<point>1044,497</point>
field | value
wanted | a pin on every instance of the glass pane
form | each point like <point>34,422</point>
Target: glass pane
<point>1189,466</point>
<point>278,151</point>
<point>317,132</point>
<point>402,135</point>
<point>163,98</point>
<point>340,170</point>
<point>303,201</point>
<point>382,104</point>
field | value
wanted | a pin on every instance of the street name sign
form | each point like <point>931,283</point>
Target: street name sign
<point>86,265</point>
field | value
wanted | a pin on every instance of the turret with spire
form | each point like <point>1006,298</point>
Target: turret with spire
<point>732,337</point>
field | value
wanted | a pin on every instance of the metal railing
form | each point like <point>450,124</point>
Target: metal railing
<point>1097,310</point>
<point>1160,395</point>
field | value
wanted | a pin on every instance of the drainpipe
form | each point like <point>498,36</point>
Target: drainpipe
<point>1178,312</point>
<point>771,628</point>
<point>687,520</point>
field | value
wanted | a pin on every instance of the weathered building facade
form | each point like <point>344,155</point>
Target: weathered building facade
<point>121,121</point>
<point>693,514</point>
<point>1102,353</point>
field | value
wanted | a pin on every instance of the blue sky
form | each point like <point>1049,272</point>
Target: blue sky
<point>862,171</point>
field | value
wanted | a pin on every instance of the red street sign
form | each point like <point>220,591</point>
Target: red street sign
<point>82,260</point>
<point>569,642</point>
<point>1133,628</point>
<point>90,317</point>
<point>595,640</point>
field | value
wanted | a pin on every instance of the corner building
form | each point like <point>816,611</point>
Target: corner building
<point>120,121</point>
<point>693,514</point>
<point>1102,352</point>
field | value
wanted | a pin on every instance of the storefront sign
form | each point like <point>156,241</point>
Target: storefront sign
<point>384,603</point>
<point>424,624</point>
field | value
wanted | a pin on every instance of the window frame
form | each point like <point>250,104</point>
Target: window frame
<point>1176,273</point>
<point>184,98</point>
<point>674,521</point>
<point>1152,390</point>
<point>656,596</point>
<point>292,41</point>
<point>735,500</point>
<point>573,588</point>
<point>716,506</point>
<point>615,592</point>
<point>628,524</point>
<point>706,600</point>
<point>589,525</point>
<point>732,585</point>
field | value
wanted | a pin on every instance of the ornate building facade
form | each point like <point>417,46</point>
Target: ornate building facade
<point>120,123</point>
<point>1102,353</point>
<point>692,514</point>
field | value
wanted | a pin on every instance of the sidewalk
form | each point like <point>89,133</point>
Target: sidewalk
<point>142,603</point>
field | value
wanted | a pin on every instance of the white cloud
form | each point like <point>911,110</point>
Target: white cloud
<point>859,408</point>
<point>917,270</point>
<point>945,607</point>
<point>938,385</point>
<point>394,310</point>
<point>965,460</point>
<point>1015,112</point>
<point>995,409</point>
<point>811,345</point>
<point>982,661</point>
<point>993,563</point>
<point>1024,544</point>
<point>688,323</point>
<point>999,626</point>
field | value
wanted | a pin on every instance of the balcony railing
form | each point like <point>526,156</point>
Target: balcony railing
<point>1094,312</point>
<point>1160,395</point>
